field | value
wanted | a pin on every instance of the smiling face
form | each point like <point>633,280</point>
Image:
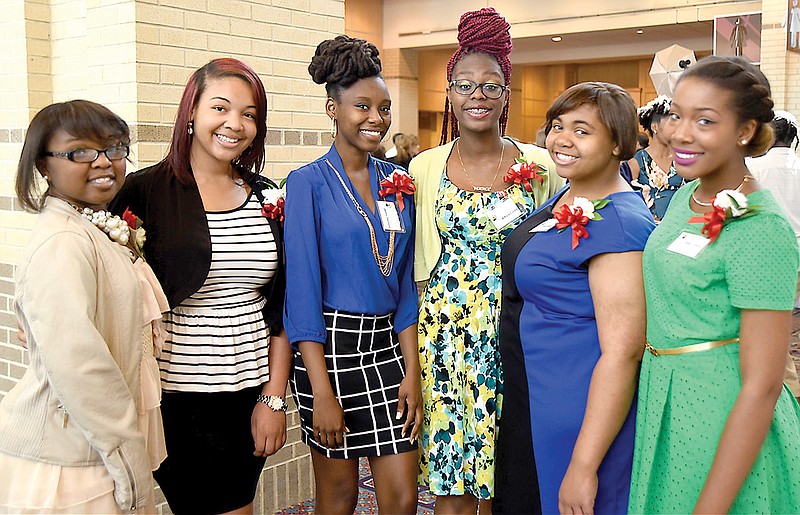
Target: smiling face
<point>706,134</point>
<point>580,145</point>
<point>82,184</point>
<point>224,122</point>
<point>363,114</point>
<point>475,112</point>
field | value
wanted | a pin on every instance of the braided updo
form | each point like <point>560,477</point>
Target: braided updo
<point>653,112</point>
<point>751,91</point>
<point>484,31</point>
<point>340,62</point>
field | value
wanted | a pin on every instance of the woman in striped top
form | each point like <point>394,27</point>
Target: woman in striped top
<point>226,359</point>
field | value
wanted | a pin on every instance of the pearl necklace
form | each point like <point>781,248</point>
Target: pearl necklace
<point>114,226</point>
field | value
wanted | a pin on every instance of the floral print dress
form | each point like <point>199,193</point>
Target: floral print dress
<point>459,356</point>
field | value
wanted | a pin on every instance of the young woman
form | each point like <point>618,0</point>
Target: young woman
<point>351,304</point>
<point>469,199</point>
<point>716,430</point>
<point>80,432</point>
<point>652,166</point>
<point>226,360</point>
<point>572,320</point>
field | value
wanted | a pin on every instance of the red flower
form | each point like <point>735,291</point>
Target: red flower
<point>524,173</point>
<point>713,221</point>
<point>398,182</point>
<point>567,217</point>
<point>129,218</point>
<point>274,211</point>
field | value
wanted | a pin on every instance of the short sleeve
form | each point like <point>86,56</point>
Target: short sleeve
<point>761,271</point>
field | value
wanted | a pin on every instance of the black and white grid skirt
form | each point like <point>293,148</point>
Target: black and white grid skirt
<point>365,367</point>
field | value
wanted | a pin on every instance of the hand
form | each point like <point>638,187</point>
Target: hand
<point>269,430</point>
<point>409,402</point>
<point>578,491</point>
<point>329,428</point>
<point>23,340</point>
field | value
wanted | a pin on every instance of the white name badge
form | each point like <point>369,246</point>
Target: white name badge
<point>689,244</point>
<point>545,226</point>
<point>503,212</point>
<point>390,216</point>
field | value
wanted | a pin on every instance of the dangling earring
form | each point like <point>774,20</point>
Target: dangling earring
<point>334,128</point>
<point>191,127</point>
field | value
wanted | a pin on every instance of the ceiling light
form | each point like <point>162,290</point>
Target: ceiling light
<point>556,39</point>
<point>640,31</point>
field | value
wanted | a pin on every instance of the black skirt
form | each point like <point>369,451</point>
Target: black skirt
<point>365,367</point>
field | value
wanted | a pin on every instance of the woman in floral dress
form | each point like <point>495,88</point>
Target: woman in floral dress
<point>469,198</point>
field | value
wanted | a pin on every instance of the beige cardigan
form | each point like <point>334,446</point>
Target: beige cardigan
<point>427,170</point>
<point>80,305</point>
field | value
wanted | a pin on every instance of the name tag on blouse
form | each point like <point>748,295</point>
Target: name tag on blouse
<point>690,245</point>
<point>390,216</point>
<point>503,212</point>
<point>544,226</point>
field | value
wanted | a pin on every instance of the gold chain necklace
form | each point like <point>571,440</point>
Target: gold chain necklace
<point>386,262</point>
<point>482,189</point>
<point>708,204</point>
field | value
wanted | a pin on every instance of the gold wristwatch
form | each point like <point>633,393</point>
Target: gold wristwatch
<point>273,402</point>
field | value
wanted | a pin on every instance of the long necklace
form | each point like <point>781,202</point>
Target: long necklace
<point>708,204</point>
<point>385,263</point>
<point>482,189</point>
<point>114,226</point>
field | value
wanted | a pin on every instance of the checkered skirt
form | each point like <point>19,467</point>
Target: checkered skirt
<point>365,367</point>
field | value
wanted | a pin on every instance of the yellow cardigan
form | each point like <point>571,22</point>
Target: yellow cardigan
<point>427,169</point>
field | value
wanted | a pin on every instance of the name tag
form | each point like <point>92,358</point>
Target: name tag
<point>503,212</point>
<point>390,216</point>
<point>689,244</point>
<point>545,226</point>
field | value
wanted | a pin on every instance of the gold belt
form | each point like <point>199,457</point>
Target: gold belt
<point>697,347</point>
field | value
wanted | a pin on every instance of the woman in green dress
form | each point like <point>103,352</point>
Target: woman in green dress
<point>716,429</point>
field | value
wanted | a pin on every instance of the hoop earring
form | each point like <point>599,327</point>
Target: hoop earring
<point>334,128</point>
<point>191,128</point>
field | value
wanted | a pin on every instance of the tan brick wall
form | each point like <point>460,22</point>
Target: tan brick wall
<point>135,56</point>
<point>782,67</point>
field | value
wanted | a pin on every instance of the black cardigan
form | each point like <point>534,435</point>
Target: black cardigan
<point>178,242</point>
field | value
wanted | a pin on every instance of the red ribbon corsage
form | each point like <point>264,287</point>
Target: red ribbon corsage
<point>399,182</point>
<point>274,202</point>
<point>523,172</point>
<point>577,216</point>
<point>726,206</point>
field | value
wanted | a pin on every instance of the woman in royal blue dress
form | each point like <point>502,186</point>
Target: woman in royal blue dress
<point>572,318</point>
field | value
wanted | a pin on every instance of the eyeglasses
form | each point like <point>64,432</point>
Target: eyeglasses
<point>467,87</point>
<point>89,155</point>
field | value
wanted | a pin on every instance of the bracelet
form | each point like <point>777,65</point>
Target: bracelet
<point>273,402</point>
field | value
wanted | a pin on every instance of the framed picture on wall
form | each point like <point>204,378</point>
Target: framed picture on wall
<point>792,24</point>
<point>738,34</point>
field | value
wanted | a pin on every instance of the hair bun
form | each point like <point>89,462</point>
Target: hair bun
<point>343,60</point>
<point>486,31</point>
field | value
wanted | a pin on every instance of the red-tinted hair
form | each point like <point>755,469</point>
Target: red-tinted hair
<point>484,31</point>
<point>253,158</point>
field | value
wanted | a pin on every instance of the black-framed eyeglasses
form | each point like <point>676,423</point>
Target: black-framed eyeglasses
<point>89,155</point>
<point>467,87</point>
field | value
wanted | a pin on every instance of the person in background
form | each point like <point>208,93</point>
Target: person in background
<point>407,146</point>
<point>573,319</point>
<point>76,434</point>
<point>351,303</point>
<point>642,141</point>
<point>779,171</point>
<point>471,192</point>
<point>716,429</point>
<point>217,250</point>
<point>651,167</point>
<point>392,151</point>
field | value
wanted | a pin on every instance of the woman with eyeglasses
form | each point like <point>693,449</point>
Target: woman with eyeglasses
<point>471,192</point>
<point>216,247</point>
<point>80,432</point>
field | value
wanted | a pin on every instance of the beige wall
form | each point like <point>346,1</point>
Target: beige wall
<point>135,56</point>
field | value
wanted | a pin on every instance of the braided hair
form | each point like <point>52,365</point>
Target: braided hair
<point>653,112</point>
<point>785,126</point>
<point>484,31</point>
<point>749,87</point>
<point>342,61</point>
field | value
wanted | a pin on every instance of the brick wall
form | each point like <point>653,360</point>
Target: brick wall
<point>781,67</point>
<point>135,56</point>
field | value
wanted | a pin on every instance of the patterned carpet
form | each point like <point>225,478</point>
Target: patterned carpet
<point>367,504</point>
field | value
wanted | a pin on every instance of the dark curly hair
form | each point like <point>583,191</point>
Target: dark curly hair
<point>750,89</point>
<point>342,61</point>
<point>653,112</point>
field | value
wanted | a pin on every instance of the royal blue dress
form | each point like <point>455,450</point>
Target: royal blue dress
<point>549,348</point>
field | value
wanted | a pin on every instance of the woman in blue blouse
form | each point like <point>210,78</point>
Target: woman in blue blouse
<point>351,303</point>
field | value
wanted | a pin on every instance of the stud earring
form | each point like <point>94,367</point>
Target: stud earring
<point>191,127</point>
<point>334,128</point>
<point>744,142</point>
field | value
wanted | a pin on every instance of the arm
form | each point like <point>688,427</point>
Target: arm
<point>635,168</point>
<point>328,421</point>
<point>269,427</point>
<point>409,395</point>
<point>762,356</point>
<point>617,288</point>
